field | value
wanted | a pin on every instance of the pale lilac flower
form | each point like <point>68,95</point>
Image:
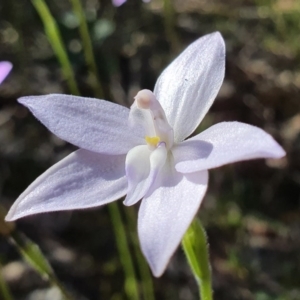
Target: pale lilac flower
<point>146,157</point>
<point>5,68</point>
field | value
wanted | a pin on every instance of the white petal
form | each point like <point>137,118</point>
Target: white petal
<point>230,142</point>
<point>88,123</point>
<point>188,86</point>
<point>142,168</point>
<point>81,180</point>
<point>165,215</point>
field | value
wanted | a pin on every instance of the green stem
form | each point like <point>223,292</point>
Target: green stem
<point>131,286</point>
<point>147,284</point>
<point>55,39</point>
<point>196,250</point>
<point>169,20</point>
<point>88,48</point>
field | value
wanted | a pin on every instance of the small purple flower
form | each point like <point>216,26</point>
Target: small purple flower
<point>145,151</point>
<point>5,68</point>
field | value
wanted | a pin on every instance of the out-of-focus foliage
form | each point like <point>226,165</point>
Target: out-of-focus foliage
<point>251,210</point>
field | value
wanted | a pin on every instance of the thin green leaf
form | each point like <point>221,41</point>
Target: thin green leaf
<point>32,254</point>
<point>36,259</point>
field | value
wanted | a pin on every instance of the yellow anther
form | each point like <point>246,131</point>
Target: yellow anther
<point>152,141</point>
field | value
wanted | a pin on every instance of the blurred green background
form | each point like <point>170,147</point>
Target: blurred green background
<point>252,209</point>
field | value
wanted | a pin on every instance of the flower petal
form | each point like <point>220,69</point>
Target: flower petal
<point>142,168</point>
<point>191,150</point>
<point>88,123</point>
<point>188,86</point>
<point>231,142</point>
<point>165,214</point>
<point>5,68</point>
<point>81,180</point>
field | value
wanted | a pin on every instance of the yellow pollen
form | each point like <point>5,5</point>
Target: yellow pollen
<point>152,141</point>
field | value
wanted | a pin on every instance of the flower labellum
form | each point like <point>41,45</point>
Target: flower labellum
<point>5,68</point>
<point>141,152</point>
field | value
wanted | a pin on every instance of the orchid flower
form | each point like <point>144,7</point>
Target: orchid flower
<point>142,151</point>
<point>5,68</point>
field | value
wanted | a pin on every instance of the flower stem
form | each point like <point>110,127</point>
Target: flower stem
<point>131,286</point>
<point>88,49</point>
<point>55,39</point>
<point>169,20</point>
<point>196,250</point>
<point>147,284</point>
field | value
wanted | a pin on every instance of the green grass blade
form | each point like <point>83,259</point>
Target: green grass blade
<point>88,49</point>
<point>54,37</point>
